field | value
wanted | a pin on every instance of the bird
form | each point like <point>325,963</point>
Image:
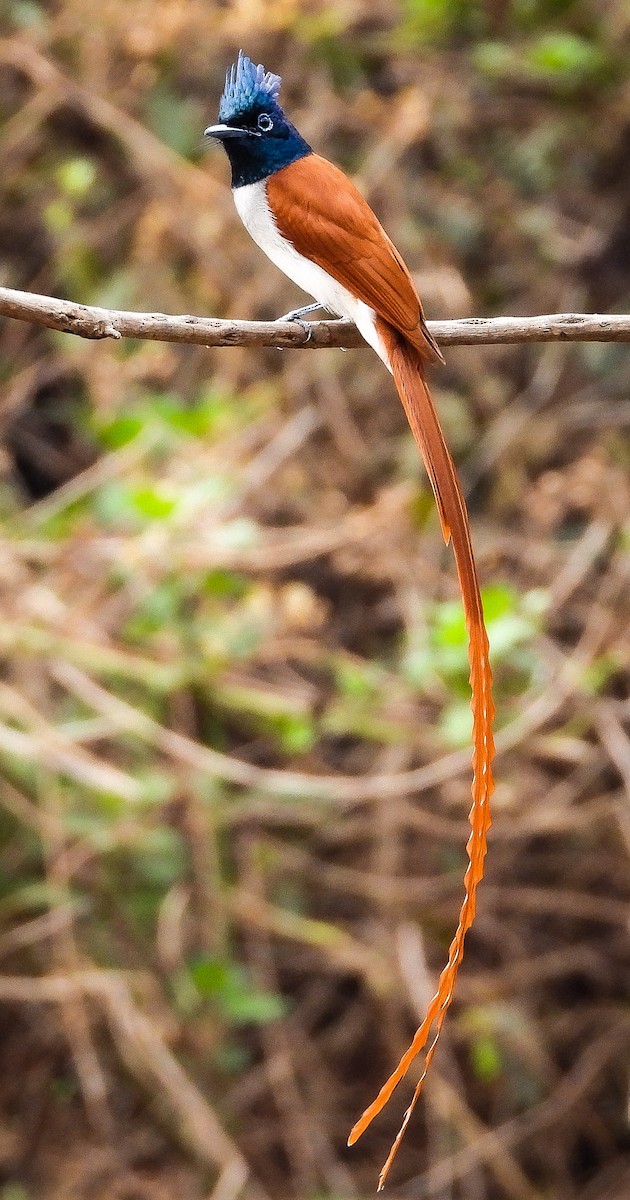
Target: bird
<point>314,224</point>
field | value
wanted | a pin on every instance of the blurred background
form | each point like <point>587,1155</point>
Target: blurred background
<point>234,723</point>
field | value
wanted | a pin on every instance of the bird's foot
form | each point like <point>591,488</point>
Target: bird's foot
<point>296,315</point>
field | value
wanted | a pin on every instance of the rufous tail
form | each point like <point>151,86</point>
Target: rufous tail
<point>408,372</point>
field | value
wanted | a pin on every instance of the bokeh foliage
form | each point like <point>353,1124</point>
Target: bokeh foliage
<point>234,703</point>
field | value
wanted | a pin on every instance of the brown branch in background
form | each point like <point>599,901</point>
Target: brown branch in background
<point>97,323</point>
<point>143,1048</point>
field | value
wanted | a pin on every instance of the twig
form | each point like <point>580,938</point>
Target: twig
<point>547,1115</point>
<point>74,1013</point>
<point>148,1059</point>
<point>97,323</point>
<point>293,784</point>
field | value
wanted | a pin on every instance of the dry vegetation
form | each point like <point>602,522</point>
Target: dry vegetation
<point>233,704</point>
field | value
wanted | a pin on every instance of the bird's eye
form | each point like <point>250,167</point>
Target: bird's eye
<point>264,122</point>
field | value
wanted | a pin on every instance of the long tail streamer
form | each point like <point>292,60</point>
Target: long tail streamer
<point>408,372</point>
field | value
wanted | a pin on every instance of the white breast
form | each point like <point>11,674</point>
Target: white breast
<point>253,209</point>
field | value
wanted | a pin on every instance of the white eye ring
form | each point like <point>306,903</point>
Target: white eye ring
<point>264,122</point>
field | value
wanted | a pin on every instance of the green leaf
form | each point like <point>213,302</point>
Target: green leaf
<point>499,599</point>
<point>121,430</point>
<point>558,58</point>
<point>512,620</point>
<point>76,177</point>
<point>120,503</point>
<point>565,54</point>
<point>358,680</point>
<point>486,1059</point>
<point>152,502</point>
<point>297,734</point>
<point>160,607</point>
<point>226,584</point>
<point>210,976</point>
<point>238,999</point>
<point>253,1007</point>
<point>437,20</point>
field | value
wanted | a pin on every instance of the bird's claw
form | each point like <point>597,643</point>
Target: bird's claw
<point>306,326</point>
<point>296,315</point>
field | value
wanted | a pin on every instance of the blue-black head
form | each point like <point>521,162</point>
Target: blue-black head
<point>257,136</point>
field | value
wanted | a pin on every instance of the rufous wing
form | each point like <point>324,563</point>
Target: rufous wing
<point>320,211</point>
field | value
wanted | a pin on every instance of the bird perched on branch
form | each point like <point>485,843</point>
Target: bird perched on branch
<point>311,221</point>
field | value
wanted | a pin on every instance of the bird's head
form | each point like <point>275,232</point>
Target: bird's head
<point>257,136</point>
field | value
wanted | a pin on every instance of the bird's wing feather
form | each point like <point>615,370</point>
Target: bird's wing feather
<point>319,210</point>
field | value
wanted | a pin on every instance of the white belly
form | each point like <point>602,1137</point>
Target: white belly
<point>253,209</point>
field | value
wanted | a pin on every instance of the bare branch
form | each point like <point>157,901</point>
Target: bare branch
<point>144,1051</point>
<point>96,323</point>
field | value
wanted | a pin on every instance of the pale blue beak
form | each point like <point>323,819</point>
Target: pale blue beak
<point>223,131</point>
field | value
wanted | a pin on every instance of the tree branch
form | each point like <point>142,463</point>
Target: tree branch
<point>96,323</point>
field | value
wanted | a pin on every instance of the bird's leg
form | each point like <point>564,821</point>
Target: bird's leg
<point>296,315</point>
